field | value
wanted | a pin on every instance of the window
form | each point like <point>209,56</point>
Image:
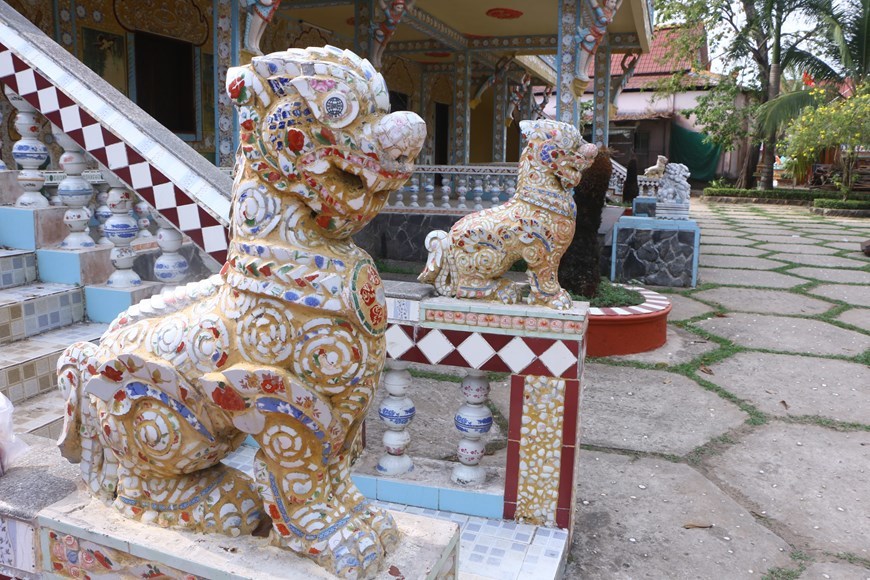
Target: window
<point>442,134</point>
<point>166,81</point>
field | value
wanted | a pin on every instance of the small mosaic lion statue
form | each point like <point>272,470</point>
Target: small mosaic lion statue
<point>674,185</point>
<point>285,345</point>
<point>537,225</point>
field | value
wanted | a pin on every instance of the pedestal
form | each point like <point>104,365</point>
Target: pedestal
<point>27,228</point>
<point>658,252</point>
<point>104,302</point>
<point>83,267</point>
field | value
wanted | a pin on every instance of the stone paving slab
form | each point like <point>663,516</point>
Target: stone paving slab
<point>821,261</point>
<point>798,249</point>
<point>681,347</point>
<point>833,275</point>
<point>683,307</point>
<point>723,231</point>
<point>729,277</point>
<point>738,262</point>
<point>854,295</point>
<point>768,231</point>
<point>631,518</point>
<point>859,317</point>
<point>725,240</point>
<point>848,246</point>
<point>840,237</point>
<point>810,479</point>
<point>785,334</point>
<point>764,301</point>
<point>708,249</point>
<point>653,411</point>
<point>782,385</point>
<point>792,239</point>
<point>831,570</point>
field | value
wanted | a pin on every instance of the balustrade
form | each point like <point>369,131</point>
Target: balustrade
<point>74,192</point>
<point>473,420</point>
<point>396,411</point>
<point>121,229</point>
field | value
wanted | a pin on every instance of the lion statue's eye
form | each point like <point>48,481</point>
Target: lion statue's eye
<point>332,101</point>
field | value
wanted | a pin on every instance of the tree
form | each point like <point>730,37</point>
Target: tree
<point>836,61</point>
<point>630,189</point>
<point>750,35</point>
<point>580,270</point>
<point>843,124</point>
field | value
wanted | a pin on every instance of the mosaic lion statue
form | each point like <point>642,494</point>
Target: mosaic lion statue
<point>674,185</point>
<point>286,344</point>
<point>537,225</point>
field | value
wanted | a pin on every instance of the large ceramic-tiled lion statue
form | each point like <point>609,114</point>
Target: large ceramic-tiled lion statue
<point>285,345</point>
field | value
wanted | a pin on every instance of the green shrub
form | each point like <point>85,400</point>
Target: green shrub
<point>609,295</point>
<point>799,194</point>
<point>841,204</point>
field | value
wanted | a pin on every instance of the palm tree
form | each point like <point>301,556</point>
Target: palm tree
<point>839,61</point>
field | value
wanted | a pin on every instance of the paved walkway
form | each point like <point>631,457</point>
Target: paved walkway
<point>740,449</point>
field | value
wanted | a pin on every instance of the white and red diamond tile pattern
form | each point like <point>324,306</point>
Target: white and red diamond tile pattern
<point>653,302</point>
<point>158,190</point>
<point>518,355</point>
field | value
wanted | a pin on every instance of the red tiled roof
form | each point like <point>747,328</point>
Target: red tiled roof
<point>657,63</point>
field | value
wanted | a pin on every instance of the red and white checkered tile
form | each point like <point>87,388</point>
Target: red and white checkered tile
<point>160,178</point>
<point>517,355</point>
<point>653,302</point>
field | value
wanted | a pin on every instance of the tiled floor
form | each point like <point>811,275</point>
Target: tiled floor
<point>27,367</point>
<point>489,549</point>
<point>36,308</point>
<point>17,267</point>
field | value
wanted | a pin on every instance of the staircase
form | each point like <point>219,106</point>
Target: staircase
<point>38,320</point>
<point>52,296</point>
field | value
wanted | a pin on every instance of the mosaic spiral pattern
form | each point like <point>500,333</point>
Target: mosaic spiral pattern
<point>330,353</point>
<point>257,212</point>
<point>264,333</point>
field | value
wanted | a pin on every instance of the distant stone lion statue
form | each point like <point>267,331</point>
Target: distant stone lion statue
<point>674,185</point>
<point>285,345</point>
<point>658,169</point>
<point>537,225</point>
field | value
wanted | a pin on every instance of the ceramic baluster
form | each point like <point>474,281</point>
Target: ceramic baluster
<point>461,190</point>
<point>102,213</point>
<point>75,192</point>
<point>445,190</point>
<point>414,190</point>
<point>170,267</point>
<point>478,193</point>
<point>495,188</point>
<point>396,411</point>
<point>121,229</point>
<point>473,420</point>
<point>400,197</point>
<point>143,219</point>
<point>29,153</point>
<point>429,189</point>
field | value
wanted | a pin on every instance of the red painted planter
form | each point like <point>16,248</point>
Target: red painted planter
<point>630,329</point>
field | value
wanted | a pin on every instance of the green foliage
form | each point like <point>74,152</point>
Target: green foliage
<point>841,204</point>
<point>727,117</point>
<point>843,124</point>
<point>796,194</point>
<point>610,294</point>
<point>631,188</point>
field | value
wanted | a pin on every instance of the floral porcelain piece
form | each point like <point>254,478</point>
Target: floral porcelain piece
<point>285,345</point>
<point>537,225</point>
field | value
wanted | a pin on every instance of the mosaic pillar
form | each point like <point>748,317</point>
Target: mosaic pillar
<point>601,99</point>
<point>362,27</point>
<point>527,111</point>
<point>542,451</point>
<point>500,119</point>
<point>566,105</point>
<point>461,110</point>
<point>223,49</point>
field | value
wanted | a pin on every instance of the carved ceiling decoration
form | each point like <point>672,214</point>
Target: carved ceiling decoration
<point>182,19</point>
<point>503,13</point>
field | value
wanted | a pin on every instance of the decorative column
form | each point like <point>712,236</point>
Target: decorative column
<point>170,267</point>
<point>396,411</point>
<point>103,213</point>
<point>75,192</point>
<point>473,420</point>
<point>461,109</point>
<point>121,230</point>
<point>143,219</point>
<point>500,119</point>
<point>566,104</point>
<point>601,100</point>
<point>29,153</point>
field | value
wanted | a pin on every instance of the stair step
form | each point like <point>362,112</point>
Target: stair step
<point>28,367</point>
<point>41,415</point>
<point>17,267</point>
<point>26,311</point>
